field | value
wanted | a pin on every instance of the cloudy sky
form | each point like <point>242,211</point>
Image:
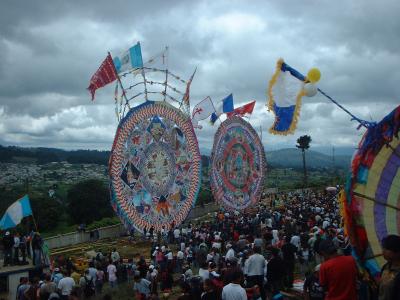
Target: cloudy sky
<point>50,49</point>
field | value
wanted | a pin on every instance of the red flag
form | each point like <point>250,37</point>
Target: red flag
<point>241,111</point>
<point>103,76</point>
<point>186,96</point>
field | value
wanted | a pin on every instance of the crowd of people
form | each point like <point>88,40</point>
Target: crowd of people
<point>17,247</point>
<point>234,256</point>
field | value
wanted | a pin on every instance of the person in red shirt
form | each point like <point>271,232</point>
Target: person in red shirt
<point>338,273</point>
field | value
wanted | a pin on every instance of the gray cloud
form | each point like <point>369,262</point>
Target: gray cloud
<point>50,50</point>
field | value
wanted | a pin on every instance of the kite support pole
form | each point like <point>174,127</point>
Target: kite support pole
<point>122,87</point>
<point>376,201</point>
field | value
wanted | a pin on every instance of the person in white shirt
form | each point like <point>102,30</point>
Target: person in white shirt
<point>203,272</point>
<point>115,256</point>
<point>65,285</point>
<point>177,235</point>
<point>255,268</point>
<point>16,248</point>
<point>230,254</point>
<point>295,240</point>
<point>180,259</point>
<point>112,274</point>
<point>233,290</point>
<point>325,223</point>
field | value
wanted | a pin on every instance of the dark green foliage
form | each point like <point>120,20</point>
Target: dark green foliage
<point>47,212</point>
<point>89,201</point>
<point>47,155</point>
<point>303,143</point>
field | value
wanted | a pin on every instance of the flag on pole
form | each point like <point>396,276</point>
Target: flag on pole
<point>103,76</point>
<point>15,213</point>
<point>186,96</point>
<point>130,59</point>
<point>157,61</point>
<point>202,111</point>
<point>224,106</point>
<point>241,111</point>
<point>285,91</point>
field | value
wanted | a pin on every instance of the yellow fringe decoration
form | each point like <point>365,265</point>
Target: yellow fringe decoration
<point>343,212</point>
<point>271,101</point>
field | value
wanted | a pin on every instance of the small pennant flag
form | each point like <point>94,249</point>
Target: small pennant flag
<point>15,213</point>
<point>186,96</point>
<point>103,76</point>
<point>202,111</point>
<point>225,106</point>
<point>243,110</point>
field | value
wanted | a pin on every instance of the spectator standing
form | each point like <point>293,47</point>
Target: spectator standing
<point>338,273</point>
<point>47,288</point>
<point>16,248</point>
<point>8,242</point>
<point>255,267</point>
<point>141,287</point>
<point>65,286</point>
<point>112,274</point>
<point>289,255</point>
<point>99,282</point>
<point>389,288</point>
<point>233,290</point>
<point>312,290</point>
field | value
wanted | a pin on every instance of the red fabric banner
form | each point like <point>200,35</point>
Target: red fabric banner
<point>103,76</point>
<point>241,111</point>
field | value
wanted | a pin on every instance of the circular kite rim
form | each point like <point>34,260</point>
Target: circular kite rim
<point>130,217</point>
<point>377,228</point>
<point>263,163</point>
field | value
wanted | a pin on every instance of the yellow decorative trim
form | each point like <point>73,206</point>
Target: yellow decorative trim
<point>271,101</point>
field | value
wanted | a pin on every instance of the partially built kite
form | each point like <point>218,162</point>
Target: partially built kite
<point>155,163</point>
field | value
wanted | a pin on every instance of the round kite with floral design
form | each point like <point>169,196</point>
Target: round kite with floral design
<point>155,167</point>
<point>238,164</point>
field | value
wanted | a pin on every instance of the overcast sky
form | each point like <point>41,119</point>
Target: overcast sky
<point>50,49</point>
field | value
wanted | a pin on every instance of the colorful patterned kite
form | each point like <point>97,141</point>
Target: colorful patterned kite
<point>155,167</point>
<point>238,164</point>
<point>371,206</point>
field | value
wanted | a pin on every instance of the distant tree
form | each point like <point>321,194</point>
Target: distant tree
<point>88,201</point>
<point>46,212</point>
<point>303,143</point>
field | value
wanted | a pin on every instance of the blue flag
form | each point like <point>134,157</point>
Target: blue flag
<point>225,106</point>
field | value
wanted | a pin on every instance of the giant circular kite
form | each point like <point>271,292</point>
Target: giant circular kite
<point>155,167</point>
<point>238,164</point>
<point>371,206</point>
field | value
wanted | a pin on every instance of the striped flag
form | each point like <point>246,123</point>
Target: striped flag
<point>15,213</point>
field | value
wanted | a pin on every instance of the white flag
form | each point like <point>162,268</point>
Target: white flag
<point>203,110</point>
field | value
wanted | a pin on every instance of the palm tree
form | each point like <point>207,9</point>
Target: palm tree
<point>303,143</point>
